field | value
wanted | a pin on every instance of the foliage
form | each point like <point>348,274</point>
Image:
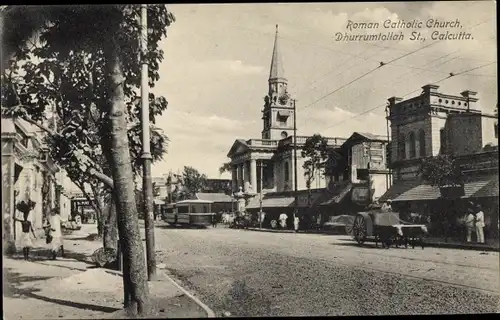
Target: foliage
<point>441,171</point>
<point>73,82</point>
<point>192,181</point>
<point>225,167</point>
<point>315,152</point>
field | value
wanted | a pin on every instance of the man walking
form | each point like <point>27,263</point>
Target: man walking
<point>56,233</point>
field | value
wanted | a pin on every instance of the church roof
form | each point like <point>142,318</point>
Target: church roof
<point>277,70</point>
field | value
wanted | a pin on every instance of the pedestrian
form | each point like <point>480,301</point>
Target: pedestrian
<point>296,222</point>
<point>387,206</point>
<point>55,233</point>
<point>469,224</point>
<point>480,224</point>
<point>27,227</point>
<point>283,217</point>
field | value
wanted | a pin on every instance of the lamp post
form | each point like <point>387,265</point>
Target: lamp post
<point>147,185</point>
<point>295,157</point>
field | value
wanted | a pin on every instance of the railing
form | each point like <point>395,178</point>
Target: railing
<point>301,140</point>
<point>262,143</point>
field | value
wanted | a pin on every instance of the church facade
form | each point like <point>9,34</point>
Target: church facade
<point>267,162</point>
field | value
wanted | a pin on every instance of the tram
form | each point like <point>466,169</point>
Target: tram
<point>189,213</point>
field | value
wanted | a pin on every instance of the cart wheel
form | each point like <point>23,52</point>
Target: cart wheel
<point>359,229</point>
<point>348,229</point>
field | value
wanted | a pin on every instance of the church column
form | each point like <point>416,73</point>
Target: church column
<point>234,181</point>
<point>253,174</point>
<point>241,180</point>
<point>243,174</point>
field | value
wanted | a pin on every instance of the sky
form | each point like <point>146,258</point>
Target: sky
<point>217,59</point>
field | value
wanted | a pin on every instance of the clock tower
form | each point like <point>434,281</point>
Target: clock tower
<point>277,114</point>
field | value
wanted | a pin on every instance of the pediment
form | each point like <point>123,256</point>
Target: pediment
<point>239,146</point>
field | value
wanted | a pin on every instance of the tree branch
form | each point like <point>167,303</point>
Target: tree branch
<point>41,126</point>
<point>102,177</point>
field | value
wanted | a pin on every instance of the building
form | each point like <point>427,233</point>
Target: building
<point>269,161</point>
<point>356,175</point>
<point>435,123</point>
<point>30,174</point>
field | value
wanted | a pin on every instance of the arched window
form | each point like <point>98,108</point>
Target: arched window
<point>421,142</point>
<point>411,145</point>
<point>287,171</point>
<point>401,147</point>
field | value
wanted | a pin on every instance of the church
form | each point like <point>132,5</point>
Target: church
<point>267,162</point>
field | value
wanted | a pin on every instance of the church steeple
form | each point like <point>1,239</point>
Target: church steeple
<point>277,71</point>
<point>277,114</point>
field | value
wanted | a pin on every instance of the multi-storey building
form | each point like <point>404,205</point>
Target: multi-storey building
<point>28,173</point>
<point>435,123</point>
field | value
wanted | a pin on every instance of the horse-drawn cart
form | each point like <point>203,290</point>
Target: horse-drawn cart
<point>386,228</point>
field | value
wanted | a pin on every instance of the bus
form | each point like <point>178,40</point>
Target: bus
<point>190,212</point>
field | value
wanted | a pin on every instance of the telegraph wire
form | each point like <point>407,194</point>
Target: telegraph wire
<point>451,74</point>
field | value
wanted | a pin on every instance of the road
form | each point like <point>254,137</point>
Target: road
<point>250,273</point>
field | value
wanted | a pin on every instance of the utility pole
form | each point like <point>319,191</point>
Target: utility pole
<point>147,185</point>
<point>295,157</point>
<point>261,185</point>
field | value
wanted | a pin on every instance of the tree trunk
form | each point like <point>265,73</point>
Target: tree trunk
<point>134,264</point>
<point>110,230</point>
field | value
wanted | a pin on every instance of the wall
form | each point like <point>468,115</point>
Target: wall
<point>488,130</point>
<point>379,185</point>
<point>437,123</point>
<point>464,134</point>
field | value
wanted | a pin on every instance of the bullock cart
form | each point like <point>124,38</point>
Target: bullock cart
<point>386,228</point>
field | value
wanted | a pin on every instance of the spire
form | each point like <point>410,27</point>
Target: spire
<point>277,71</point>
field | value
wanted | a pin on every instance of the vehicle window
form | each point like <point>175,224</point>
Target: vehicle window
<point>205,208</point>
<point>183,209</point>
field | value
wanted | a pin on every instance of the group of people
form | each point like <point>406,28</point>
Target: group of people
<point>52,228</point>
<point>283,221</point>
<point>475,222</point>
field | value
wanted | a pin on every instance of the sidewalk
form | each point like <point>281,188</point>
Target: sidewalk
<point>429,241</point>
<point>71,288</point>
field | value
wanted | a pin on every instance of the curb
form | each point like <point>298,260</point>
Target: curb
<point>427,244</point>
<point>210,312</point>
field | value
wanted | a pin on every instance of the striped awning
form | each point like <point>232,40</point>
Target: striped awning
<point>478,188</point>
<point>398,189</point>
<point>277,202</point>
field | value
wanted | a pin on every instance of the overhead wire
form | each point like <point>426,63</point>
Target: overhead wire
<point>409,93</point>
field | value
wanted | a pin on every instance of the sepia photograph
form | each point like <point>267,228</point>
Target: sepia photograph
<point>203,160</point>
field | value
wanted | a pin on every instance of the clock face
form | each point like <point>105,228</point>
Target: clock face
<point>283,99</point>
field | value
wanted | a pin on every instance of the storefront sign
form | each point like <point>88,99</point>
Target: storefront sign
<point>360,195</point>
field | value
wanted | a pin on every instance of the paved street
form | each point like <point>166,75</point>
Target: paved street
<point>271,274</point>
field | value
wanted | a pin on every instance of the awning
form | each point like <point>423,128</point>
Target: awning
<point>284,113</point>
<point>281,202</point>
<point>478,188</point>
<point>338,197</point>
<point>398,189</point>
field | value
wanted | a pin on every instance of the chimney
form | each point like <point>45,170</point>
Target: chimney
<point>468,93</point>
<point>394,100</point>
<point>430,88</point>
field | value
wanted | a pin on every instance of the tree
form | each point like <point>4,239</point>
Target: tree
<point>111,42</point>
<point>441,171</point>
<point>192,182</point>
<point>315,153</point>
<point>225,167</point>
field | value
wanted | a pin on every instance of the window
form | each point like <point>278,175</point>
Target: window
<point>421,140</point>
<point>411,145</point>
<point>287,171</point>
<point>442,139</point>
<point>183,209</point>
<point>401,147</point>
